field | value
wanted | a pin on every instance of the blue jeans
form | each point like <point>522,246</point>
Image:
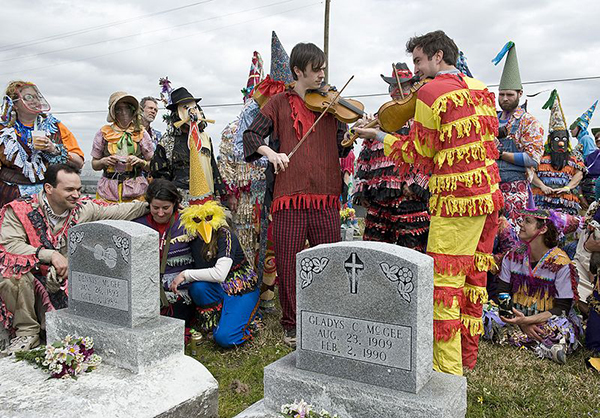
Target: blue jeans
<point>236,314</point>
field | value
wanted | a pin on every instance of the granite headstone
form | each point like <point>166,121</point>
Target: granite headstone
<point>364,322</point>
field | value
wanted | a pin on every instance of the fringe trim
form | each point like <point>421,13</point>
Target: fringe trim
<point>484,262</point>
<point>452,264</point>
<point>445,329</point>
<point>449,182</point>
<point>444,295</point>
<point>15,265</point>
<point>472,326</point>
<point>458,97</point>
<point>475,294</point>
<point>306,201</point>
<point>472,205</point>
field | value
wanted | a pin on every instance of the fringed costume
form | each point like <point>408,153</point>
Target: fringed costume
<point>563,202</point>
<point>393,216</point>
<point>306,195</point>
<point>22,167</point>
<point>548,285</point>
<point>452,137</point>
<point>30,232</point>
<point>226,308</point>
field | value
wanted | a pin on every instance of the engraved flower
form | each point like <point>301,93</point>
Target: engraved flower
<point>306,264</point>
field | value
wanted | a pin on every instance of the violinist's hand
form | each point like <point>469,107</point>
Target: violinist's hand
<point>279,160</point>
<point>367,118</point>
<point>366,133</point>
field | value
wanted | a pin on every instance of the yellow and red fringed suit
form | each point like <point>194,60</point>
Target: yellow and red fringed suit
<point>453,138</point>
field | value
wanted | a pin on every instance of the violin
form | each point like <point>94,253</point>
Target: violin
<point>327,98</point>
<point>394,114</point>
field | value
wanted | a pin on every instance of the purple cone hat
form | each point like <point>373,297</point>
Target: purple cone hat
<point>280,61</point>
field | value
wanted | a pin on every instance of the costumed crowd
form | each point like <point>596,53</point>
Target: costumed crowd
<point>507,209</point>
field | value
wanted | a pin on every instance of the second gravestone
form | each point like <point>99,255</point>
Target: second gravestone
<point>364,320</point>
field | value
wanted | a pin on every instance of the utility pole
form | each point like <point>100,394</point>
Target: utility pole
<point>326,40</point>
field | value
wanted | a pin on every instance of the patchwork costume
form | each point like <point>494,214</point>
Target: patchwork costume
<point>521,134</point>
<point>453,137</point>
<point>306,195</point>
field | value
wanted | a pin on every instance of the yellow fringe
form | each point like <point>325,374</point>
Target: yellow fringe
<point>484,262</point>
<point>458,97</point>
<point>462,126</point>
<point>473,150</point>
<point>475,294</point>
<point>449,182</point>
<point>542,304</point>
<point>472,324</point>
<point>462,205</point>
<point>182,238</point>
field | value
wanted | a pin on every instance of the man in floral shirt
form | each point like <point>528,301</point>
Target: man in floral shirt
<point>520,137</point>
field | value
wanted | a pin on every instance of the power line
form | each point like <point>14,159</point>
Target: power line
<point>94,28</point>
<point>161,42</point>
<point>142,33</point>
<point>560,80</point>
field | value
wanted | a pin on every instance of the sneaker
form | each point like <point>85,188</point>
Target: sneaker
<point>289,337</point>
<point>556,353</point>
<point>23,343</point>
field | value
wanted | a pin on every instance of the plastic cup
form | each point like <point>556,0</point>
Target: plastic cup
<point>39,139</point>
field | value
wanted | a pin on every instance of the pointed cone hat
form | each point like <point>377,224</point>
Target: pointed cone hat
<point>280,61</point>
<point>557,116</point>
<point>255,76</point>
<point>461,64</point>
<point>511,78</point>
<point>583,121</point>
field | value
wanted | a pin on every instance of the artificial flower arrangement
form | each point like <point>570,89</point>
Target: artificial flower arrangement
<point>303,410</point>
<point>63,359</point>
<point>348,216</point>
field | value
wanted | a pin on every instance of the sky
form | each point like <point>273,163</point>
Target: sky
<point>78,53</point>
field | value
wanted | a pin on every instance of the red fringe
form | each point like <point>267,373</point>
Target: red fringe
<point>425,136</point>
<point>483,97</point>
<point>347,163</point>
<point>306,201</point>
<point>452,264</point>
<point>445,295</point>
<point>489,124</point>
<point>15,265</point>
<point>445,329</point>
<point>303,118</point>
<point>574,281</point>
<point>269,87</point>
<point>491,150</point>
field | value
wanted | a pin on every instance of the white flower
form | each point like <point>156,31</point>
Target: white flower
<point>88,342</point>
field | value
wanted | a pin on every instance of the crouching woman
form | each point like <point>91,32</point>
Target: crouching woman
<point>223,280</point>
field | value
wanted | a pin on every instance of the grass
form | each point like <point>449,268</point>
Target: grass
<point>507,382</point>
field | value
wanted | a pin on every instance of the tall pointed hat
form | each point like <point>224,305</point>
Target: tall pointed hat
<point>557,116</point>
<point>583,121</point>
<point>511,78</point>
<point>461,64</point>
<point>255,76</point>
<point>280,61</point>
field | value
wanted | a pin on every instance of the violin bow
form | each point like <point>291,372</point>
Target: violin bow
<point>397,80</point>
<point>318,119</point>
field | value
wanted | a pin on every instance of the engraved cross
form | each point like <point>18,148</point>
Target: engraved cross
<point>352,264</point>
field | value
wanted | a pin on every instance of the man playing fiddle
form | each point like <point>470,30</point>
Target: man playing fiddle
<point>306,188</point>
<point>452,138</point>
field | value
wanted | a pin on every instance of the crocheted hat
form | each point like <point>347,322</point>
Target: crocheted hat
<point>280,61</point>
<point>557,116</point>
<point>461,64</point>
<point>511,78</point>
<point>583,121</point>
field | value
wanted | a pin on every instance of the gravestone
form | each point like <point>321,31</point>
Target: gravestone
<point>364,337</point>
<point>114,298</point>
<point>113,295</point>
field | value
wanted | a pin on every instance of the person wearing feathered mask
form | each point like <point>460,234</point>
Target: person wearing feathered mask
<point>223,282</point>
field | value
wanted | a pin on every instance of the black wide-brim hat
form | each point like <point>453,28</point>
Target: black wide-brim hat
<point>181,95</point>
<point>404,74</point>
